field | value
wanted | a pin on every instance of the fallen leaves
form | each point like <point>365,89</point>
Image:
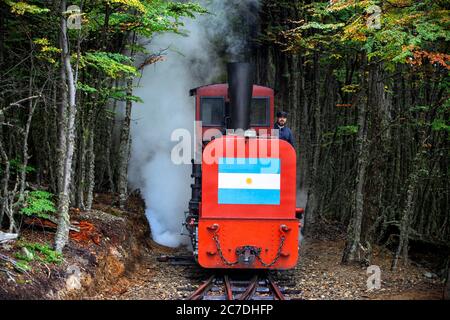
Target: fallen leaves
<point>87,233</point>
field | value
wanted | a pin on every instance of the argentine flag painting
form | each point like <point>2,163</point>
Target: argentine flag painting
<point>249,181</point>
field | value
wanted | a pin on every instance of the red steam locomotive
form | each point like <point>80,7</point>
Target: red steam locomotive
<point>242,212</point>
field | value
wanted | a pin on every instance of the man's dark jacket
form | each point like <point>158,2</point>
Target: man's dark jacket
<point>285,134</point>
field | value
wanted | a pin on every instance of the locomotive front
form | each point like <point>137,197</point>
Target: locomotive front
<point>242,212</point>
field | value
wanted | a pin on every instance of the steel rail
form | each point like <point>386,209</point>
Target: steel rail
<point>198,294</point>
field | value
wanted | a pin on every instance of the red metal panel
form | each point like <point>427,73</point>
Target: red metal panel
<point>234,233</point>
<point>222,90</point>
<point>210,206</point>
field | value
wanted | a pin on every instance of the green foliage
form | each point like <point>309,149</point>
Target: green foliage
<point>41,252</point>
<point>114,65</point>
<point>85,88</point>
<point>441,125</point>
<point>351,88</point>
<point>22,7</point>
<point>17,166</point>
<point>22,257</point>
<point>47,52</point>
<point>38,203</point>
<point>347,130</point>
<point>137,48</point>
<point>143,17</point>
<point>420,108</point>
<point>321,26</point>
<point>44,253</point>
<point>22,266</point>
<point>135,4</point>
<point>406,27</point>
<point>410,30</point>
<point>123,96</point>
<point>441,122</point>
<point>106,30</point>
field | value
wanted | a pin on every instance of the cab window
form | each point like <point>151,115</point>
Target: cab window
<point>212,110</point>
<point>260,113</point>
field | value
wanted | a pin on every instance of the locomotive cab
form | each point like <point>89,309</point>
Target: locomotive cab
<point>242,212</point>
<point>213,109</point>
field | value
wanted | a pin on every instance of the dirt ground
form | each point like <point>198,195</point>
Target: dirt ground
<point>111,242</point>
<point>118,260</point>
<point>319,275</point>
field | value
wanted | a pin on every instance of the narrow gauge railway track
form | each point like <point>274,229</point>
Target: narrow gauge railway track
<point>229,287</point>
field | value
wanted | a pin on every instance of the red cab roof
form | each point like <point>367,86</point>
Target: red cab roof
<point>221,89</point>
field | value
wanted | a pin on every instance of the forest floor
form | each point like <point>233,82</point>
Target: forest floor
<point>114,258</point>
<point>319,275</point>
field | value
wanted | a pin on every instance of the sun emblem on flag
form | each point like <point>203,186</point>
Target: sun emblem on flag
<point>248,180</point>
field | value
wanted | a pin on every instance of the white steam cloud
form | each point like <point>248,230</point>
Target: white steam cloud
<point>190,61</point>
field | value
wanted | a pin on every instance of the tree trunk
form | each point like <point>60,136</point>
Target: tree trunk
<point>124,151</point>
<point>62,232</point>
<point>62,125</point>
<point>110,150</point>
<point>405,223</point>
<point>2,35</point>
<point>5,180</point>
<point>354,226</point>
<point>313,196</point>
<point>23,173</point>
<point>446,293</point>
<point>91,165</point>
<point>81,161</point>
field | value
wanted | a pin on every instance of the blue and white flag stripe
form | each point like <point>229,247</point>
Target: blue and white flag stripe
<point>249,181</point>
<point>249,196</point>
<point>249,165</point>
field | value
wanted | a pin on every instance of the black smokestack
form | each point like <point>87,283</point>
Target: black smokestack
<point>240,89</point>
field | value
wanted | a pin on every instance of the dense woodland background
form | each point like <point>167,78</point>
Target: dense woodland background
<point>369,108</point>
